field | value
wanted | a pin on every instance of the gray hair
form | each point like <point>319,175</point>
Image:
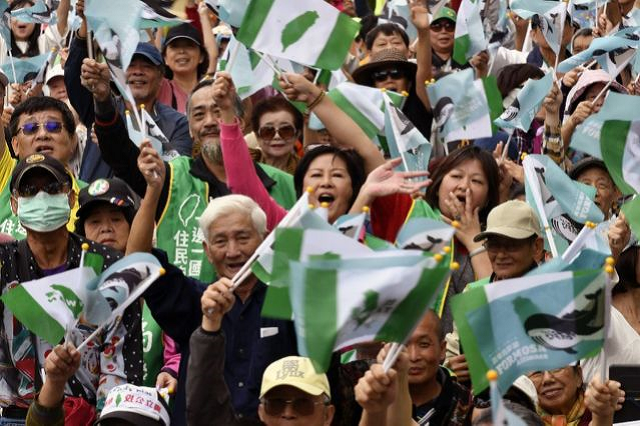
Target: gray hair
<point>229,204</point>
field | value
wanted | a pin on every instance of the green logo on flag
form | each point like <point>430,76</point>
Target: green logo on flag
<point>296,28</point>
<point>67,296</point>
<point>362,313</point>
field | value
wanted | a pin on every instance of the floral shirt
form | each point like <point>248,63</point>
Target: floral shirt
<point>113,358</point>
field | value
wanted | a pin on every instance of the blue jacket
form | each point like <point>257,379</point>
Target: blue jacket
<point>174,301</point>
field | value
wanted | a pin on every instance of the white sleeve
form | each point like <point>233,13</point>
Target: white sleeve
<point>504,57</point>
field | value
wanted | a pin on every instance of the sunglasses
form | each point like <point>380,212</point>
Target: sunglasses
<point>301,406</point>
<point>447,25</point>
<point>382,75</point>
<point>52,188</point>
<point>269,132</point>
<point>507,245</point>
<point>50,126</point>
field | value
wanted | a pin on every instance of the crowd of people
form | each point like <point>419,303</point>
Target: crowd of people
<point>196,349</point>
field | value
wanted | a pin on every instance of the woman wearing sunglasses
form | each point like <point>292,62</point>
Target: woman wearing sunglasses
<point>277,125</point>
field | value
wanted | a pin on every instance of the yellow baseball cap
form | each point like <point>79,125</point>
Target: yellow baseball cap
<point>295,371</point>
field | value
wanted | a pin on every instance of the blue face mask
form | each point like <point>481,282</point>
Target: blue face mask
<point>44,212</point>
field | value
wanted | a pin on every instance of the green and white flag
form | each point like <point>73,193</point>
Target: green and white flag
<point>249,72</point>
<point>620,147</point>
<point>343,302</point>
<point>51,305</point>
<point>587,136</point>
<point>298,244</point>
<point>460,107</point>
<point>539,322</point>
<point>404,140</point>
<point>352,225</point>
<point>421,233</point>
<point>469,35</point>
<point>309,32</point>
<point>365,105</point>
<point>561,204</point>
<point>525,106</point>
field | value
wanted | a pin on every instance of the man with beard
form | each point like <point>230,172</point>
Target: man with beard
<point>189,182</point>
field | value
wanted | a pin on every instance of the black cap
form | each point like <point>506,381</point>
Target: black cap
<point>587,163</point>
<point>114,191</point>
<point>45,162</point>
<point>185,30</point>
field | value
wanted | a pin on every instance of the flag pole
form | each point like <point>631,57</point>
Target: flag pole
<point>540,207</point>
<point>505,149</point>
<point>587,230</point>
<point>245,270</point>
<point>85,249</point>
<point>555,67</point>
<point>392,356</point>
<point>90,45</point>
<point>134,296</point>
<point>272,65</point>
<point>13,68</point>
<point>361,226</point>
<point>604,89</point>
<point>609,270</point>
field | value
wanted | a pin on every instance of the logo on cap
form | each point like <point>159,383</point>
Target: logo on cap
<point>290,368</point>
<point>34,158</point>
<point>98,187</point>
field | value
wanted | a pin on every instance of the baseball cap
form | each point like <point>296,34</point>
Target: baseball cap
<point>139,405</point>
<point>185,30</point>
<point>584,164</point>
<point>113,191</point>
<point>512,219</point>
<point>50,164</point>
<point>444,13</point>
<point>150,52</point>
<point>53,72</point>
<point>297,372</point>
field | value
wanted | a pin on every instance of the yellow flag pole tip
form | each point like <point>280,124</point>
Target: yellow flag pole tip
<point>438,257</point>
<point>455,224</point>
<point>404,93</point>
<point>311,206</point>
<point>162,271</point>
<point>85,247</point>
<point>492,375</point>
<point>446,249</point>
<point>366,209</point>
<point>141,106</point>
<point>608,269</point>
<point>127,112</point>
<point>310,189</point>
<point>455,266</point>
<point>610,261</point>
<point>523,156</point>
<point>324,205</point>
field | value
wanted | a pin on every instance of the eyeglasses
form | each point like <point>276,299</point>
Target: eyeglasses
<point>301,406</point>
<point>50,126</point>
<point>31,190</point>
<point>447,25</point>
<point>536,376</point>
<point>269,132</point>
<point>382,75</point>
<point>507,244</point>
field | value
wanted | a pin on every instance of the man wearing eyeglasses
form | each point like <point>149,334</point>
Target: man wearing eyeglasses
<point>513,240</point>
<point>42,125</point>
<point>41,197</point>
<point>291,393</point>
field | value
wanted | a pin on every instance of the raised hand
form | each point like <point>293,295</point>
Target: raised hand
<point>298,88</point>
<point>224,93</point>
<point>419,14</point>
<point>95,77</point>
<point>385,181</point>
<point>151,166</point>
<point>216,301</point>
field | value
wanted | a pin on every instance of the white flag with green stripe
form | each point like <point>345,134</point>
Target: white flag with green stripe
<point>310,32</point>
<point>48,306</point>
<point>249,72</point>
<point>365,105</point>
<point>299,243</point>
<point>469,36</point>
<point>342,302</point>
<point>620,147</point>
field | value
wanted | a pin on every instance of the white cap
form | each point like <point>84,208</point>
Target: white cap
<point>55,71</point>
